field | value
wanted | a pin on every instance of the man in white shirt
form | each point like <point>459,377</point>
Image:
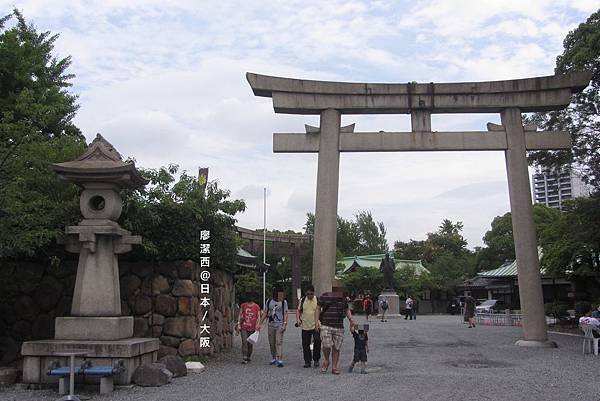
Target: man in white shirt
<point>408,306</point>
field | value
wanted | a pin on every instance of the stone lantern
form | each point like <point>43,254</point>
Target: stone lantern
<point>96,307</point>
<point>96,323</point>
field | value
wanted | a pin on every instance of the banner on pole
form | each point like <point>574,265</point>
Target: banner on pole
<point>202,178</point>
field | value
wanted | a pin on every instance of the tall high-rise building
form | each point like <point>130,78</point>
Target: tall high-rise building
<point>553,187</point>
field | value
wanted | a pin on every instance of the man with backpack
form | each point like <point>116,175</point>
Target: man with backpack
<point>276,310</point>
<point>329,321</point>
<point>306,319</point>
<point>408,308</point>
<point>384,307</point>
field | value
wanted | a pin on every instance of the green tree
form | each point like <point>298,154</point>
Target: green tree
<point>371,235</point>
<point>571,243</point>
<point>448,240</point>
<point>447,270</point>
<point>499,240</point>
<point>407,282</point>
<point>363,280</point>
<point>171,213</point>
<point>360,237</point>
<point>348,237</point>
<point>248,286</point>
<point>36,130</point>
<point>499,244</point>
<point>581,52</point>
<point>444,253</point>
<point>411,250</point>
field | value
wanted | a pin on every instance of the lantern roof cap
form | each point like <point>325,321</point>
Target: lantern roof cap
<point>101,163</point>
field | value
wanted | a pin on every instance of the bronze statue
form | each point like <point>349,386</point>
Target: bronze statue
<point>387,267</point>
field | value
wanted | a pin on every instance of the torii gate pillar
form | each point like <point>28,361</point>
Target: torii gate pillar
<point>328,179</point>
<point>519,190</point>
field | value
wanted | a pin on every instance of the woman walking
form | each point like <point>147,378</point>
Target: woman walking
<point>248,323</point>
<point>470,311</point>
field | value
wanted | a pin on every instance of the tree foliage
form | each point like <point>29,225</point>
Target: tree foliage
<point>444,253</point>
<point>408,282</point>
<point>571,243</point>
<point>361,236</point>
<point>499,240</point>
<point>368,279</point>
<point>248,286</point>
<point>499,245</point>
<point>170,214</point>
<point>371,235</point>
<point>36,130</point>
<point>581,119</point>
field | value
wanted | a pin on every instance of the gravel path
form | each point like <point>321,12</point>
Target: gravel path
<point>432,358</point>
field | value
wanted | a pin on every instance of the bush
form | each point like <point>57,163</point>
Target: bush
<point>358,306</point>
<point>171,215</point>
<point>556,309</point>
<point>248,286</point>
<point>582,307</point>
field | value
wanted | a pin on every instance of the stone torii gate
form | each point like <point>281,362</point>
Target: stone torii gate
<point>510,98</point>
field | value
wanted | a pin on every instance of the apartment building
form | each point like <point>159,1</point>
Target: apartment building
<point>553,187</point>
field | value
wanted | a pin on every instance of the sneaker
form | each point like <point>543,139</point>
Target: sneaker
<point>316,364</point>
<point>280,364</point>
<point>273,362</point>
<point>307,365</point>
<point>244,361</point>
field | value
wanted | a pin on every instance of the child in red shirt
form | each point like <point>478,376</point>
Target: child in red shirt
<point>248,323</point>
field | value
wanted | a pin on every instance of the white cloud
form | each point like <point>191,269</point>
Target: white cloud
<point>164,82</point>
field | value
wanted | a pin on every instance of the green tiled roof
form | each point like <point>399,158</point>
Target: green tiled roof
<point>245,259</point>
<point>508,269</point>
<point>351,262</point>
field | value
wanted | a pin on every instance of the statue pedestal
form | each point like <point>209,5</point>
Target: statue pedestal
<point>393,301</point>
<point>93,328</point>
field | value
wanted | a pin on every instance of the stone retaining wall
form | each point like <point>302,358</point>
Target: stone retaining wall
<point>164,299</point>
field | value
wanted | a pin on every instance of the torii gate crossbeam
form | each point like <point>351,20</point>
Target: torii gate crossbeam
<point>509,98</point>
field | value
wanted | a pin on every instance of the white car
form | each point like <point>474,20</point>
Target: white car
<point>491,306</point>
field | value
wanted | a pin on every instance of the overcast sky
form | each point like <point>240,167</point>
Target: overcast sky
<point>164,81</point>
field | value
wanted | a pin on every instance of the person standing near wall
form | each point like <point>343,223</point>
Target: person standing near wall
<point>276,310</point>
<point>306,319</point>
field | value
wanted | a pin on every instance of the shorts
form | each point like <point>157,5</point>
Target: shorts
<point>332,337</point>
<point>360,355</point>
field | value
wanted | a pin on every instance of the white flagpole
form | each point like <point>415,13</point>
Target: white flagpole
<point>264,246</point>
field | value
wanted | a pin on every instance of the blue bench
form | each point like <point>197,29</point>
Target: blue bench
<point>106,374</point>
<point>63,374</point>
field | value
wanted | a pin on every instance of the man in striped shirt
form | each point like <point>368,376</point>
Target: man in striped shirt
<point>329,320</point>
